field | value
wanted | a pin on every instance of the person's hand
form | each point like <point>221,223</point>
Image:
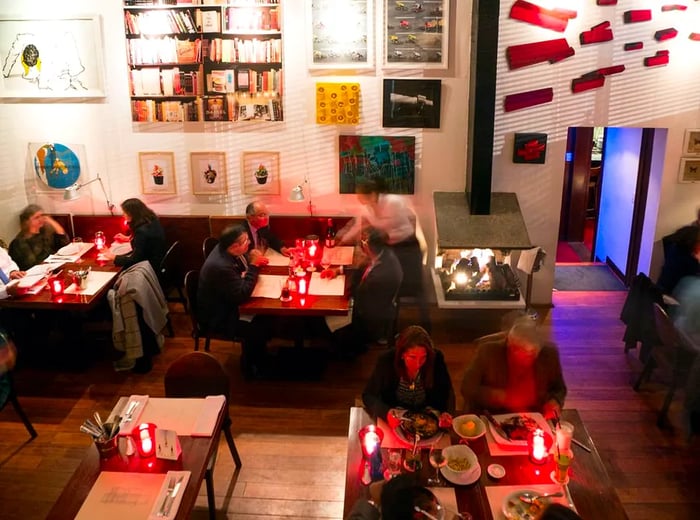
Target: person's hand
<point>58,228</point>
<point>108,255</point>
<point>329,273</point>
<point>285,251</point>
<point>121,237</point>
<point>551,409</point>
<point>13,289</point>
<point>257,258</point>
<point>445,420</point>
<point>16,275</point>
<point>392,418</point>
<point>375,491</point>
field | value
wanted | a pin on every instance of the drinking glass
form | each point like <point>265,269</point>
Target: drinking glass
<point>78,241</point>
<point>437,460</point>
<point>394,458</point>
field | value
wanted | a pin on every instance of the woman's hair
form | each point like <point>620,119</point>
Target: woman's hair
<point>140,213</point>
<point>556,511</point>
<point>415,336</point>
<point>373,185</point>
<point>402,494</point>
<point>230,235</point>
<point>27,213</point>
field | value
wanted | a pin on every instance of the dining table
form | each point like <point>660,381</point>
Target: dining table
<point>197,451</point>
<point>589,488</point>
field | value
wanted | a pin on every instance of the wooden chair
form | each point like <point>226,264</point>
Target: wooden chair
<point>208,245</point>
<point>670,353</point>
<point>170,274</point>
<point>198,374</point>
<point>7,381</point>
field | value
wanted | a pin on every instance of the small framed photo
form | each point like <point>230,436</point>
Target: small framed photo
<point>691,143</point>
<point>529,148</point>
<point>416,34</point>
<point>208,170</point>
<point>690,170</point>
<point>261,173</point>
<point>157,173</point>
<point>411,103</point>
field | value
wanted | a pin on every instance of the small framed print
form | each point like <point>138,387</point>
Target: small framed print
<point>691,143</point>
<point>157,173</point>
<point>261,173</point>
<point>411,103</point>
<point>529,148</point>
<point>416,34</point>
<point>690,170</point>
<point>208,171</point>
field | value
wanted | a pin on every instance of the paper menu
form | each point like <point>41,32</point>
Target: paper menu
<point>340,255</point>
<point>326,286</point>
<point>268,286</point>
<point>120,495</point>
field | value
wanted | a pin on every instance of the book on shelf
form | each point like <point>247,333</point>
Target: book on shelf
<point>262,109</point>
<point>215,108</point>
<point>210,21</point>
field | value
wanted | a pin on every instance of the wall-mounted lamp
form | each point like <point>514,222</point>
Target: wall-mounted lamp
<point>71,192</point>
<point>297,194</point>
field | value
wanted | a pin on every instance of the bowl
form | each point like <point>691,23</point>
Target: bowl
<point>468,426</point>
<point>461,461</point>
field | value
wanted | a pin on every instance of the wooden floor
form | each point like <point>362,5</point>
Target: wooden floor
<point>292,434</point>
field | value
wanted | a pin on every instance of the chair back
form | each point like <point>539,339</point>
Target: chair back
<point>197,374</point>
<point>170,272</point>
<point>208,245</point>
<point>191,286</point>
<point>672,349</point>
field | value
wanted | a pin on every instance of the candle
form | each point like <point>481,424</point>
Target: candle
<point>100,240</point>
<point>56,286</point>
<point>145,435</point>
<point>538,450</point>
<point>302,285</point>
<point>371,442</point>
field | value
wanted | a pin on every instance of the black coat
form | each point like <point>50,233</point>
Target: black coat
<point>147,243</point>
<point>266,234</point>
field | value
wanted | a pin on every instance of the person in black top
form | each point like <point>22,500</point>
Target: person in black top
<point>39,236</point>
<point>681,257</point>
<point>257,226</point>
<point>147,238</point>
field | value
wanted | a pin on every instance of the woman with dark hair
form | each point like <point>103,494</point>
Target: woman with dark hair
<point>413,376</point>
<point>147,238</point>
<point>39,236</point>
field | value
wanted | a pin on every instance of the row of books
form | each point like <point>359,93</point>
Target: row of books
<point>150,110</point>
<point>150,23</point>
<point>237,50</point>
<point>212,108</point>
<point>245,80</point>
<point>164,82</point>
<point>201,2</point>
<point>143,51</point>
<point>241,19</point>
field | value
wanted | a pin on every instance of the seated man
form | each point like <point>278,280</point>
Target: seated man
<point>257,225</point>
<point>8,271</point>
<point>515,372</point>
<point>226,280</point>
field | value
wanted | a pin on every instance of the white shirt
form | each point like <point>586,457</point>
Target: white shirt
<point>7,265</point>
<point>391,215</point>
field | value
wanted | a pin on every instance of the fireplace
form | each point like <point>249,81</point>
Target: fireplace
<point>477,274</point>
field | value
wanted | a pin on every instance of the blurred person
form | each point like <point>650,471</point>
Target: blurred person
<point>147,237</point>
<point>515,372</point>
<point>8,358</point>
<point>555,511</point>
<point>257,226</point>
<point>686,315</point>
<point>400,498</point>
<point>413,376</point>
<point>391,214</point>
<point>681,257</point>
<point>9,270</point>
<point>226,280</point>
<point>39,236</point>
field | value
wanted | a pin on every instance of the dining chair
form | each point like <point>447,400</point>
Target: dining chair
<point>197,375</point>
<point>208,245</point>
<point>8,394</point>
<point>670,353</point>
<point>170,274</point>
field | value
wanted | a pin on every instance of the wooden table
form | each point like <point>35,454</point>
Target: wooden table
<point>196,453</point>
<point>590,486</point>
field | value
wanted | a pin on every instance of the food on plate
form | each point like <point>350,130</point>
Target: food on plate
<point>424,424</point>
<point>518,427</point>
<point>458,463</point>
<point>468,428</point>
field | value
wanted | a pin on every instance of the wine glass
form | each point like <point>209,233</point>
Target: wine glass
<point>437,460</point>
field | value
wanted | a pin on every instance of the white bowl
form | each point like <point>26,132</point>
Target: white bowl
<point>462,452</point>
<point>459,422</point>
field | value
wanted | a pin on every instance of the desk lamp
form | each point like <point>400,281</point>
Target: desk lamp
<point>71,192</point>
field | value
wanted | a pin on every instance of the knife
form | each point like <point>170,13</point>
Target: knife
<point>496,425</point>
<point>172,495</point>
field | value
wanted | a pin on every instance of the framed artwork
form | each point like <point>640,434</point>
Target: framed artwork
<point>412,103</point>
<point>690,170</point>
<point>691,143</point>
<point>341,34</point>
<point>51,58</point>
<point>55,166</point>
<point>416,34</point>
<point>208,170</point>
<point>391,159</point>
<point>261,173</point>
<point>157,173</point>
<point>529,148</point>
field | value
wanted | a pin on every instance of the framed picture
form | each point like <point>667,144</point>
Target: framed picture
<point>341,34</point>
<point>416,34</point>
<point>412,103</point>
<point>691,144</point>
<point>690,170</point>
<point>208,170</point>
<point>366,157</point>
<point>529,148</point>
<point>261,173</point>
<point>56,166</point>
<point>51,58</point>
<point>157,172</point>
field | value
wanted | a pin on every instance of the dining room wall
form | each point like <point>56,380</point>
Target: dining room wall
<point>657,97</point>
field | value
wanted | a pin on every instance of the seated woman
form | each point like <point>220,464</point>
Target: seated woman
<point>39,236</point>
<point>413,376</point>
<point>147,240</point>
<point>515,372</point>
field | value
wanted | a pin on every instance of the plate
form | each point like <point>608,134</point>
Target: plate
<point>515,509</point>
<point>69,250</point>
<point>460,425</point>
<point>462,479</point>
<point>535,419</point>
<point>496,470</point>
<point>425,424</point>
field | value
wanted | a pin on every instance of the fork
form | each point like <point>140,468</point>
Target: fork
<point>171,487</point>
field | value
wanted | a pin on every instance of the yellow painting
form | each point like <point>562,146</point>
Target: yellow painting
<point>337,103</point>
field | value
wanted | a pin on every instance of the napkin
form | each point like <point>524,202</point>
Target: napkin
<point>126,425</point>
<point>325,286</point>
<point>169,498</point>
<point>497,496</point>
<point>120,248</point>
<point>95,281</point>
<point>204,425</point>
<point>447,498</point>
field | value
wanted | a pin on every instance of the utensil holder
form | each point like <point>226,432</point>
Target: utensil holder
<point>108,448</point>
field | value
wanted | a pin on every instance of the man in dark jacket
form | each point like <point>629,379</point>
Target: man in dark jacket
<point>257,225</point>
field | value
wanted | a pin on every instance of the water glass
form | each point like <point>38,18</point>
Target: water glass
<point>394,459</point>
<point>564,432</point>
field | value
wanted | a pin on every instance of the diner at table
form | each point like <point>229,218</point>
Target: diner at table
<point>40,235</point>
<point>257,224</point>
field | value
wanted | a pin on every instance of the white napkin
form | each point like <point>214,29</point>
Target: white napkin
<point>95,281</point>
<point>30,280</point>
<point>447,498</point>
<point>165,501</point>
<point>326,286</point>
<point>126,425</point>
<point>204,426</point>
<point>275,258</point>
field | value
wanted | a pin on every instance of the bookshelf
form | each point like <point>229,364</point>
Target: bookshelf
<point>199,61</point>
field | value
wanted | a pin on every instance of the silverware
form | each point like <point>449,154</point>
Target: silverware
<point>581,445</point>
<point>98,420</point>
<point>425,513</point>
<point>172,496</point>
<point>129,412</point>
<point>171,488</point>
<point>531,499</point>
<point>496,425</point>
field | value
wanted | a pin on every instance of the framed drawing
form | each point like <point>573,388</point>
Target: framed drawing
<point>157,173</point>
<point>56,166</point>
<point>208,170</point>
<point>416,34</point>
<point>261,173</point>
<point>366,157</point>
<point>341,34</point>
<point>690,170</point>
<point>691,143</point>
<point>412,103</point>
<point>51,58</point>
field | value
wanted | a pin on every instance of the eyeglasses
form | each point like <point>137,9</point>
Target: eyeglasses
<point>242,241</point>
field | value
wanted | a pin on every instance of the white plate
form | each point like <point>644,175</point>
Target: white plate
<point>496,471</point>
<point>408,441</point>
<point>69,250</point>
<point>515,509</point>
<point>462,479</point>
<point>479,429</point>
<point>537,417</point>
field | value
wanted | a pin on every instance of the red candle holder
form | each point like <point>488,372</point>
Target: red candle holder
<point>56,286</point>
<point>100,240</point>
<point>537,448</point>
<point>371,442</point>
<point>312,249</point>
<point>302,286</point>
<point>145,438</point>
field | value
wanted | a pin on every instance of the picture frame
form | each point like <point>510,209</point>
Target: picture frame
<point>208,172</point>
<point>411,103</point>
<point>260,173</point>
<point>690,170</point>
<point>157,173</point>
<point>58,58</point>
<point>529,148</point>
<point>416,35</point>
<point>691,143</point>
<point>333,45</point>
<point>56,166</point>
<point>370,157</point>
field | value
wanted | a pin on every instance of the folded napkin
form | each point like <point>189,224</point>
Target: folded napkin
<point>497,496</point>
<point>447,499</point>
<point>204,425</point>
<point>170,495</point>
<point>325,286</point>
<point>130,413</point>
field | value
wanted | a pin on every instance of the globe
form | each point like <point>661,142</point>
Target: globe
<point>57,165</point>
